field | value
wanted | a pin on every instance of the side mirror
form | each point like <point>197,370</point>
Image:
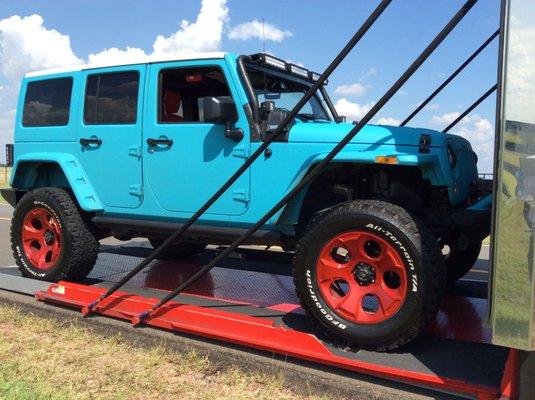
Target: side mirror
<point>340,119</point>
<point>222,110</point>
<point>219,110</point>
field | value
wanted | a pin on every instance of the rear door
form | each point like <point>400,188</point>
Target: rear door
<point>193,157</point>
<point>110,133</point>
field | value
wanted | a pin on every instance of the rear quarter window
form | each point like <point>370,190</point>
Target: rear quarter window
<point>47,103</point>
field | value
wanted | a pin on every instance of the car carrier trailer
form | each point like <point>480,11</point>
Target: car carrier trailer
<point>473,330</point>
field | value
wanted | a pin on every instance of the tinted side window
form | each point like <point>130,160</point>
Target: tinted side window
<point>182,92</point>
<point>47,103</point>
<point>111,98</point>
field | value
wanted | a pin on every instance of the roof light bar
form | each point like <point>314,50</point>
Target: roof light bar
<point>269,60</point>
<point>274,62</point>
<point>297,70</point>
<point>314,76</point>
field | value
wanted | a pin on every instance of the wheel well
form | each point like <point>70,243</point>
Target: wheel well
<point>343,182</point>
<point>32,175</point>
<point>37,174</point>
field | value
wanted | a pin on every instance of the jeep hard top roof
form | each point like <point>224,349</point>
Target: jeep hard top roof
<point>133,61</point>
<point>260,59</point>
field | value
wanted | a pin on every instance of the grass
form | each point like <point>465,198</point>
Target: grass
<point>44,358</point>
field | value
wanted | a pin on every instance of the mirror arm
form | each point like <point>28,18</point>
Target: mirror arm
<point>235,134</point>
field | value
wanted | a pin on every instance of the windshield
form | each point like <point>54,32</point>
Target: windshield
<point>285,93</point>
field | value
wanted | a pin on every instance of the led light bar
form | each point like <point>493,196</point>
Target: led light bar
<point>297,70</point>
<point>274,62</point>
<point>269,60</point>
<point>314,76</point>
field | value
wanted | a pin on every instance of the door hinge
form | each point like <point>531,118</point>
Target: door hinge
<point>241,195</point>
<point>134,151</point>
<point>136,190</point>
<point>240,151</point>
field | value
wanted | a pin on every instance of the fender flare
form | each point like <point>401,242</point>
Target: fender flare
<point>289,215</point>
<point>74,172</point>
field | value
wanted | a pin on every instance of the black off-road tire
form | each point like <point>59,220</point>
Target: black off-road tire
<point>421,257</point>
<point>179,250</point>
<point>79,247</point>
<point>460,261</point>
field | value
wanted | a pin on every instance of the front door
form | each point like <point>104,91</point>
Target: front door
<point>191,158</point>
<point>110,133</point>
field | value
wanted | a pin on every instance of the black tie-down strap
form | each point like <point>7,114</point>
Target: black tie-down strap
<point>143,317</point>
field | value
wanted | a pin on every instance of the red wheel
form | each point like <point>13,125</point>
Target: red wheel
<point>368,273</point>
<point>361,277</point>
<point>50,239</point>
<point>41,238</point>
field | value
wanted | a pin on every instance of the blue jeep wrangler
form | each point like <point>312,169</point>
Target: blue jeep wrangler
<point>134,150</point>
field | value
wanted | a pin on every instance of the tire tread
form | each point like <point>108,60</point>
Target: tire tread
<point>84,247</point>
<point>413,228</point>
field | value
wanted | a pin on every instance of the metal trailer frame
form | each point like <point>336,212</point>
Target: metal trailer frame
<point>454,357</point>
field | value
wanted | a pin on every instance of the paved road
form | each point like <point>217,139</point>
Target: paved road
<point>479,272</point>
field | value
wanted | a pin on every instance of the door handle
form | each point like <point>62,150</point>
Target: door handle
<point>155,142</point>
<point>88,141</point>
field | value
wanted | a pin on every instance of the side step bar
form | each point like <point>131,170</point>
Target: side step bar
<point>196,231</point>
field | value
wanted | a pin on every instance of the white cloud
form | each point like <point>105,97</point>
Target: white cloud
<point>6,120</point>
<point>477,130</point>
<point>366,74</point>
<point>25,45</point>
<point>110,56</point>
<point>255,29</point>
<point>432,107</point>
<point>353,111</point>
<point>520,85</point>
<point>480,133</point>
<point>388,121</point>
<point>445,119</point>
<point>202,35</point>
<point>355,89</point>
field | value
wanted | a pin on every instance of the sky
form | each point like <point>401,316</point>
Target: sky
<point>39,34</point>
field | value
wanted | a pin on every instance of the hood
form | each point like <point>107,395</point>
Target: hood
<point>330,132</point>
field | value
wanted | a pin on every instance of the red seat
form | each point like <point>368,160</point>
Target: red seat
<point>171,105</point>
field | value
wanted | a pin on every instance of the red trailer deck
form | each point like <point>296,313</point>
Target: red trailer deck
<point>250,301</point>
